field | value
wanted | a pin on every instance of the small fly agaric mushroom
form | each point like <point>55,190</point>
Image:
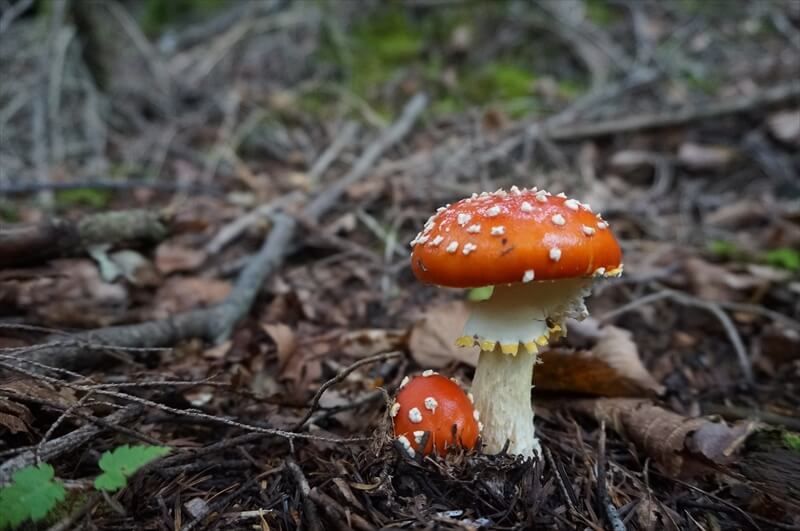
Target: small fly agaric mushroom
<point>439,406</point>
<point>541,253</point>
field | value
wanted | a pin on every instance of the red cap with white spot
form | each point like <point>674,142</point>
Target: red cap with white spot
<point>437,405</point>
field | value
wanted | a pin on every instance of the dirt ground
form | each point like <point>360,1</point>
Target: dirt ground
<point>204,225</point>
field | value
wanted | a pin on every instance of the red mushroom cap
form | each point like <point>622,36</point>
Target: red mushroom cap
<point>432,403</point>
<point>514,236</point>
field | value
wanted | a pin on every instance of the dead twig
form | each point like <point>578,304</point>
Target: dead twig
<point>272,252</point>
<point>230,231</point>
<point>342,139</point>
<point>341,375</point>
<point>606,506</point>
<point>337,513</point>
<point>637,122</point>
<point>309,507</point>
<point>22,188</point>
<point>191,413</point>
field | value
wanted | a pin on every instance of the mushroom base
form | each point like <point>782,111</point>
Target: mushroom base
<point>530,314</point>
<point>502,393</point>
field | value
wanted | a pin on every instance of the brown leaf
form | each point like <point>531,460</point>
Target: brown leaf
<point>15,417</point>
<point>185,293</point>
<point>432,342</point>
<point>171,258</point>
<point>611,368</point>
<point>681,445</point>
<point>284,339</point>
<point>21,387</point>
<point>716,283</point>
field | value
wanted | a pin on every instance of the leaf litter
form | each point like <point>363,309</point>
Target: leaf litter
<point>687,440</point>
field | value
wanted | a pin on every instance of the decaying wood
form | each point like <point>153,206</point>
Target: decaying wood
<point>28,244</point>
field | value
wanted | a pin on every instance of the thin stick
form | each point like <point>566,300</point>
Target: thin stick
<point>606,505</point>
<point>325,201</point>
<point>343,138</point>
<point>230,231</point>
<point>310,509</point>
<point>637,122</point>
<point>271,255</point>
<point>682,298</point>
<point>341,375</point>
<point>192,413</point>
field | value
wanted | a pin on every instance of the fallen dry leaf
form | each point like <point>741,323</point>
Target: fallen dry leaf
<point>284,338</point>
<point>432,342</point>
<point>611,367</point>
<point>45,392</point>
<point>14,417</point>
<point>681,445</point>
<point>713,282</point>
<point>171,258</point>
<point>186,293</point>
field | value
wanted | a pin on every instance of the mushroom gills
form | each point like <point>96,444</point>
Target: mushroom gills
<point>530,314</point>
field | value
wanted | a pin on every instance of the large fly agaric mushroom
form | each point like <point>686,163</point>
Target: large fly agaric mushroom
<point>437,406</point>
<point>541,253</point>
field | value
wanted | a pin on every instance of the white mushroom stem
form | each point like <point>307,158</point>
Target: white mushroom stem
<point>510,327</point>
<point>502,389</point>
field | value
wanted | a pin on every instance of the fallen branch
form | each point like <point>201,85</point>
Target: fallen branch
<point>32,243</point>
<point>637,122</point>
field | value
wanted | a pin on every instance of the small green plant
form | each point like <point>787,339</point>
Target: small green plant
<point>34,490</point>
<point>792,440</point>
<point>119,464</point>
<point>33,493</point>
<point>784,257</point>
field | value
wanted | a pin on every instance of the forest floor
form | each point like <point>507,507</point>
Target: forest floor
<point>204,231</point>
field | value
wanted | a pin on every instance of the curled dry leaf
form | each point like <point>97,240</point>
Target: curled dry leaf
<point>611,367</point>
<point>14,417</point>
<point>284,338</point>
<point>681,445</point>
<point>432,339</point>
